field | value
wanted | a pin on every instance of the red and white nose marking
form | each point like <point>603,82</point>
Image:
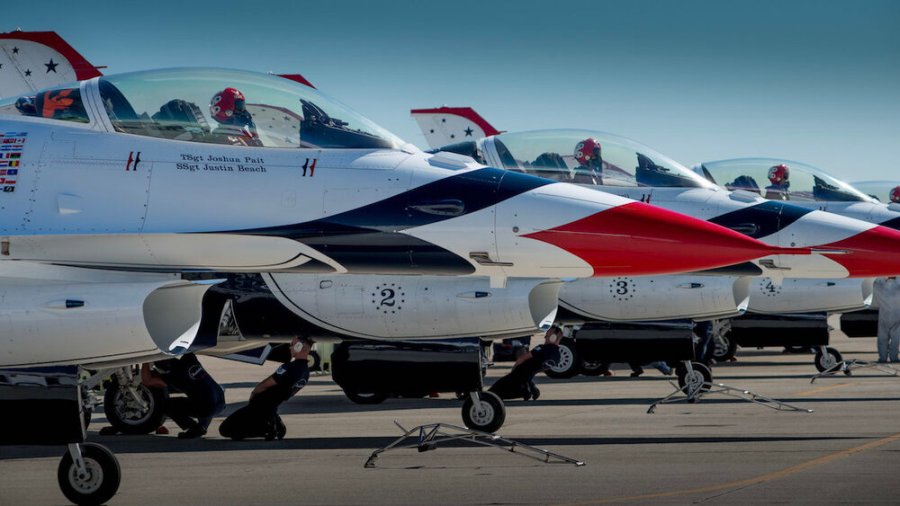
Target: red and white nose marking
<point>639,239</point>
<point>872,253</point>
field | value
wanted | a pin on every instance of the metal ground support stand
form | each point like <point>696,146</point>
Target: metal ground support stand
<point>692,394</point>
<point>848,366</point>
<point>430,435</point>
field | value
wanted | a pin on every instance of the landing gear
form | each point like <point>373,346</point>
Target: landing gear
<point>569,362</point>
<point>483,411</point>
<point>89,474</point>
<point>724,347</point>
<point>693,377</point>
<point>132,407</point>
<point>827,358</point>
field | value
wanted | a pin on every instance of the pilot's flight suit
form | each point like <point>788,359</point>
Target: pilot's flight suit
<point>259,418</point>
<point>887,295</point>
<point>520,381</point>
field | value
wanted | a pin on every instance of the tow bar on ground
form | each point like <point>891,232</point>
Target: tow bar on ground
<point>694,392</point>
<point>428,437</point>
<point>848,366</point>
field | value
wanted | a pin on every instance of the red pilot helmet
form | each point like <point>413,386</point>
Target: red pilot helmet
<point>895,194</point>
<point>586,150</point>
<point>779,173</point>
<point>225,103</point>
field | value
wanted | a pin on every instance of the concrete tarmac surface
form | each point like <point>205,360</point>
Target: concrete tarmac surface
<point>716,451</point>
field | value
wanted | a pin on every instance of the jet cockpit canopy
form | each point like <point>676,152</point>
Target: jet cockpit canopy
<point>213,106</point>
<point>587,157</point>
<point>763,176</point>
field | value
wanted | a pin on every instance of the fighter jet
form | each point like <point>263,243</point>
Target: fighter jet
<point>811,188</point>
<point>116,187</point>
<point>623,167</point>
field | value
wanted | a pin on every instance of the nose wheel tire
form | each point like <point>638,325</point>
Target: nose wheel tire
<point>133,416</point>
<point>568,365</point>
<point>698,379</point>
<point>830,358</point>
<point>485,415</point>
<point>97,482</point>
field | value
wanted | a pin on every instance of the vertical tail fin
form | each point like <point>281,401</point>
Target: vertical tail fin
<point>31,61</point>
<point>449,125</point>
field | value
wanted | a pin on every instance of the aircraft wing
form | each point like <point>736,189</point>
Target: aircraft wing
<point>32,61</point>
<point>53,315</point>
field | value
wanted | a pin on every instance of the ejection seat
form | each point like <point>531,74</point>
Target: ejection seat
<point>181,120</point>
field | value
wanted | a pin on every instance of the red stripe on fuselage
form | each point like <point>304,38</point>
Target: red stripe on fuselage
<point>875,253</point>
<point>638,239</point>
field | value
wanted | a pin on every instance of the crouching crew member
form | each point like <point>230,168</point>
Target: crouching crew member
<point>259,418</point>
<point>204,397</point>
<point>520,381</point>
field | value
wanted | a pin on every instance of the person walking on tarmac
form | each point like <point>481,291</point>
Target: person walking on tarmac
<point>259,418</point>
<point>520,381</point>
<point>887,296</point>
<point>204,397</point>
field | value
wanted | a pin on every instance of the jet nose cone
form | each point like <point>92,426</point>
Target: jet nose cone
<point>872,253</point>
<point>639,239</point>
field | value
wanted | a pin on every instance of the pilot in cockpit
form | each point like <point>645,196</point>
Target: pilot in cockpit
<point>778,176</point>
<point>895,195</point>
<point>228,108</point>
<point>590,169</point>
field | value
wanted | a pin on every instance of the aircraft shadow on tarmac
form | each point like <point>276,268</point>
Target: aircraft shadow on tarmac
<point>169,444</point>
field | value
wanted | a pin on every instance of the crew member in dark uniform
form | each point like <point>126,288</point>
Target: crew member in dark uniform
<point>520,381</point>
<point>204,397</point>
<point>259,418</point>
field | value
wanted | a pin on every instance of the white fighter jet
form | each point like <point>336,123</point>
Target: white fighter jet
<point>811,188</point>
<point>115,187</point>
<point>849,246</point>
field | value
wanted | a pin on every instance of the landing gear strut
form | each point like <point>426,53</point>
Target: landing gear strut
<point>89,474</point>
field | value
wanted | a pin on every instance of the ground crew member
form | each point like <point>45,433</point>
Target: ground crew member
<point>520,381</point>
<point>259,418</point>
<point>887,295</point>
<point>204,397</point>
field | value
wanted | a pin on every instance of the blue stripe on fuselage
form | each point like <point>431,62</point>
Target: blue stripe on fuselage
<point>369,239</point>
<point>762,219</point>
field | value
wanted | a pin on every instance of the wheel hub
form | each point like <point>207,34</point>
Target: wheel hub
<point>482,413</point>
<point>88,481</point>
<point>566,359</point>
<point>694,381</point>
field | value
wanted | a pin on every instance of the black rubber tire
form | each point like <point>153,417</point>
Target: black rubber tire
<point>591,368</point>
<point>145,424</point>
<point>366,397</point>
<point>824,363</point>
<point>569,364</point>
<point>681,371</point>
<point>488,416</point>
<point>103,480</point>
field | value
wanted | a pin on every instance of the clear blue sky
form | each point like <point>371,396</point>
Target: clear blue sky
<point>814,81</point>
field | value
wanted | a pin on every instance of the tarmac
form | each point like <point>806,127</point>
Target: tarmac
<point>719,450</point>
